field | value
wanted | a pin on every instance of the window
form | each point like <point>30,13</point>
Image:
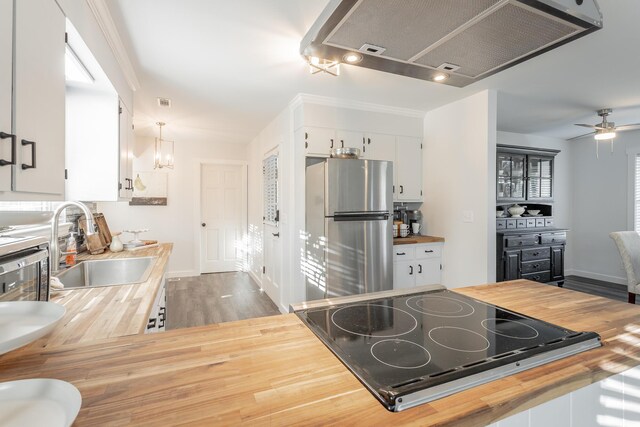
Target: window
<point>270,182</point>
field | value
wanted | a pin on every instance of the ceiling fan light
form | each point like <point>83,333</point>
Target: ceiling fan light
<point>604,134</point>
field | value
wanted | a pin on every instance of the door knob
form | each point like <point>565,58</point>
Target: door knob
<point>204,224</point>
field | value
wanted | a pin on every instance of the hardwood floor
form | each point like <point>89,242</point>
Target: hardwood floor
<point>215,298</point>
<point>596,287</point>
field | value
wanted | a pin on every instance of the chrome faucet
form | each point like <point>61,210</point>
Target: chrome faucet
<point>55,249</point>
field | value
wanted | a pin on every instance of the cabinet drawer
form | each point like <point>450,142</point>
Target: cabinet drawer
<point>501,224</point>
<point>511,224</point>
<point>428,251</point>
<point>540,222</point>
<point>548,222</point>
<point>535,266</point>
<point>531,222</point>
<point>521,223</point>
<point>536,253</point>
<point>542,277</point>
<point>515,241</point>
<point>404,252</point>
<point>553,238</point>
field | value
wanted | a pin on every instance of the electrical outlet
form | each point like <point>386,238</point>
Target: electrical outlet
<point>467,216</point>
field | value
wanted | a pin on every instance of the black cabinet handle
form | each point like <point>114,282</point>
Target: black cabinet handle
<point>401,189</point>
<point>428,252</point>
<point>419,268</point>
<point>275,234</point>
<point>536,265</point>
<point>129,185</point>
<point>410,270</point>
<point>152,323</point>
<point>394,189</point>
<point>33,154</point>
<point>368,140</point>
<point>536,277</point>
<point>331,143</point>
<point>400,253</point>
<point>161,325</point>
<point>4,162</point>
<point>342,142</point>
<point>536,253</point>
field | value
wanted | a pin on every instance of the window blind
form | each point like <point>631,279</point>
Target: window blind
<point>270,195</point>
<point>636,211</point>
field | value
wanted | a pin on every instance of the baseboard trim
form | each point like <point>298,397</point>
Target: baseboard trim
<point>182,273</point>
<point>597,276</point>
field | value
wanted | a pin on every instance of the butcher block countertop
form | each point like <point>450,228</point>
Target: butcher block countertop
<point>274,371</point>
<point>108,311</point>
<point>412,240</point>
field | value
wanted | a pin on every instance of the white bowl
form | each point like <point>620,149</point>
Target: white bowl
<point>499,214</point>
<point>25,321</point>
<point>533,212</point>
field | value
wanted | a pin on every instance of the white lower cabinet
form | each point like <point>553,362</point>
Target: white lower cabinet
<point>416,265</point>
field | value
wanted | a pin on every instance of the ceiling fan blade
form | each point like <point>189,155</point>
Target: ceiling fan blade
<point>589,126</point>
<point>581,136</point>
<point>630,126</point>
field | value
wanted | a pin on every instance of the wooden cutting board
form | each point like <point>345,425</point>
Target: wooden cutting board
<point>98,242</point>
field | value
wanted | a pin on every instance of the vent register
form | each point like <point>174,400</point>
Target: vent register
<point>468,39</point>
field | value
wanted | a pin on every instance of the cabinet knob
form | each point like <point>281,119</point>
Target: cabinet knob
<point>204,224</point>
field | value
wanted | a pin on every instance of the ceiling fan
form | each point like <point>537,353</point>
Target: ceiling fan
<point>606,129</point>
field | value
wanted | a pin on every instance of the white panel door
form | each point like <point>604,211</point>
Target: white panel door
<point>272,243</point>
<point>427,271</point>
<point>39,96</point>
<point>223,216</point>
<point>380,147</point>
<point>6,51</point>
<point>125,167</point>
<point>409,169</point>
<point>349,139</point>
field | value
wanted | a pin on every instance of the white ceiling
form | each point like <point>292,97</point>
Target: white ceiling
<point>229,67</point>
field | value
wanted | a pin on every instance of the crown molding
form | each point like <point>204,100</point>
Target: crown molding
<point>110,31</point>
<point>303,98</point>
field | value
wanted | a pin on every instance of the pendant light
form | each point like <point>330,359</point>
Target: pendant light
<point>163,154</point>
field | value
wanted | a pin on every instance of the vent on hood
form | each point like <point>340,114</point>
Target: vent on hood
<point>469,39</point>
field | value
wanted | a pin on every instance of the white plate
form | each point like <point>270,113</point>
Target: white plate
<point>22,322</point>
<point>38,402</point>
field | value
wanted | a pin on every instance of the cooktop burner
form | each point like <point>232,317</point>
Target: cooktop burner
<point>411,349</point>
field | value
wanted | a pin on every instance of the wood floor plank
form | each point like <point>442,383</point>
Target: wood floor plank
<point>215,298</point>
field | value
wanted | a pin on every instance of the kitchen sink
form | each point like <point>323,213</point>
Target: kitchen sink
<point>107,272</point>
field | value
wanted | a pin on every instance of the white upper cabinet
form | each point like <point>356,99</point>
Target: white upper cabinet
<point>39,98</point>
<point>379,147</point>
<point>349,139</point>
<point>319,141</point>
<point>6,51</point>
<point>408,167</point>
<point>126,149</point>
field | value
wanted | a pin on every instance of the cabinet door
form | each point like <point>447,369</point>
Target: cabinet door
<point>404,274</point>
<point>510,177</point>
<point>319,141</point>
<point>540,178</point>
<point>379,147</point>
<point>349,139</point>
<point>125,175</point>
<point>428,271</point>
<point>557,263</point>
<point>511,265</point>
<point>409,169</point>
<point>39,97</point>
<point>6,51</point>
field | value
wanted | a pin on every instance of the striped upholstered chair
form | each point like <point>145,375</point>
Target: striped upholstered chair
<point>628,243</point>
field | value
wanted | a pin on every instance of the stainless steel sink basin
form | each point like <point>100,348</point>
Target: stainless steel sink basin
<point>108,272</point>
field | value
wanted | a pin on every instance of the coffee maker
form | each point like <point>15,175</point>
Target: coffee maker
<point>413,216</point>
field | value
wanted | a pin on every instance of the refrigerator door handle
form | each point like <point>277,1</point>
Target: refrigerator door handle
<point>362,216</point>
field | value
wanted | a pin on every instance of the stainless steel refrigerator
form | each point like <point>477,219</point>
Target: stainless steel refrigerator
<point>349,235</point>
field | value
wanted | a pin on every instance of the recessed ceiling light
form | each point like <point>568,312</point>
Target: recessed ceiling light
<point>352,57</point>
<point>440,77</point>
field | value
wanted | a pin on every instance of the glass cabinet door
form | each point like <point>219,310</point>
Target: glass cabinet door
<point>540,185</point>
<point>511,176</point>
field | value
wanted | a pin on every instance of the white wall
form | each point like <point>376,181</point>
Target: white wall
<point>459,187</point>
<point>178,221</point>
<point>562,206</point>
<point>600,205</point>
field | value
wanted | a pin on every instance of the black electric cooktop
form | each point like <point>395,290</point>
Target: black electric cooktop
<point>415,348</point>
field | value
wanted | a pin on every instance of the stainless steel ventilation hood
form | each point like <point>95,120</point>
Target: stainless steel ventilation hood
<point>467,40</point>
